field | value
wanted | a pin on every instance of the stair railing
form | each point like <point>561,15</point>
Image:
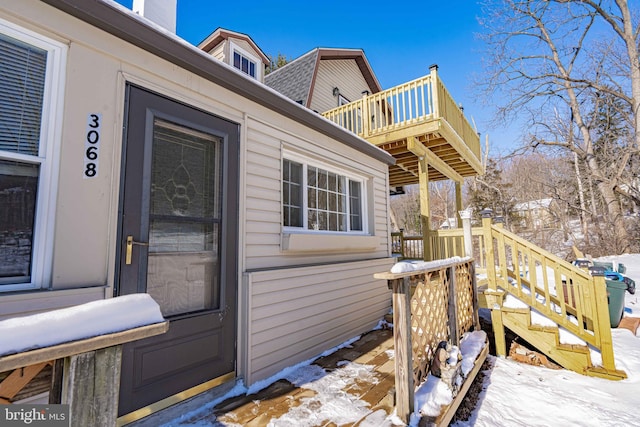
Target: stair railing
<point>560,291</point>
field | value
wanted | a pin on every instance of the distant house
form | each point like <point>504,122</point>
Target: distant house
<point>534,214</point>
<point>449,223</point>
<point>138,163</point>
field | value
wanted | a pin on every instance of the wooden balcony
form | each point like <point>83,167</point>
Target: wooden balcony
<point>413,120</point>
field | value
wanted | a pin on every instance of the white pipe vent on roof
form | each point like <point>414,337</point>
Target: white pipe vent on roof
<point>162,12</point>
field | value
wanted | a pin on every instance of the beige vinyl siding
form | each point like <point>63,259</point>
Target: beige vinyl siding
<point>24,304</point>
<point>265,146</point>
<point>245,45</point>
<point>341,73</point>
<point>298,313</point>
<point>218,52</point>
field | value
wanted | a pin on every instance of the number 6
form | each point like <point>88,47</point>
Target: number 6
<point>92,153</point>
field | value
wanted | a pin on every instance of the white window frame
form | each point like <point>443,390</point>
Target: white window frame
<point>48,157</point>
<point>233,47</point>
<point>308,161</point>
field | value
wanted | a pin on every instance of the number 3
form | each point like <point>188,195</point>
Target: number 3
<point>94,121</point>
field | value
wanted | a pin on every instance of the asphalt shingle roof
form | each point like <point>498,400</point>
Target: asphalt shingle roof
<point>294,79</point>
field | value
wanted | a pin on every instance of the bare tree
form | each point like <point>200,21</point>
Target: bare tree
<point>443,202</point>
<point>556,58</point>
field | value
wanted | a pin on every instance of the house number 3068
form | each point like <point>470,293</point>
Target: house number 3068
<point>92,145</point>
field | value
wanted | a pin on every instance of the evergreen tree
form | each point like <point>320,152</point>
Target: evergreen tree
<point>277,62</point>
<point>489,191</point>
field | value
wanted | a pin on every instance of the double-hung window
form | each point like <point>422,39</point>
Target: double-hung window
<point>319,198</point>
<point>30,93</point>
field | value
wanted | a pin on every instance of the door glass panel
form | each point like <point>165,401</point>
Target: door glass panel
<point>183,272</point>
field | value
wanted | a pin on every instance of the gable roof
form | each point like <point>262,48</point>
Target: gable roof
<point>221,34</point>
<point>296,79</point>
<point>121,22</point>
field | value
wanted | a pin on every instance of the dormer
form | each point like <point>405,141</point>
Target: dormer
<point>237,50</point>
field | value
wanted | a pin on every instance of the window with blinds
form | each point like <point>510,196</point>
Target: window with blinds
<point>27,62</point>
<point>22,77</point>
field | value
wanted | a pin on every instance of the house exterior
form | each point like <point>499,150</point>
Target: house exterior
<point>534,214</point>
<point>148,165</point>
<point>324,78</point>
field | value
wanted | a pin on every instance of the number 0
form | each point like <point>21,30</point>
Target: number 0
<point>93,136</point>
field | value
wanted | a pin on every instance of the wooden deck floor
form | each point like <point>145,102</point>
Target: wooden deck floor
<point>282,399</point>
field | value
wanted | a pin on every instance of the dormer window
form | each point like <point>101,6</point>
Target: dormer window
<point>244,64</point>
<point>245,60</point>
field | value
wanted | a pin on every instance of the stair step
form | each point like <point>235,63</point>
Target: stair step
<point>577,348</point>
<point>516,310</point>
<point>546,340</point>
<point>599,371</point>
<point>547,329</point>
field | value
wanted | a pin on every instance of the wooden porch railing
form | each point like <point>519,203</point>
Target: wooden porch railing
<point>430,305</point>
<point>417,101</point>
<point>565,294</point>
<point>443,243</point>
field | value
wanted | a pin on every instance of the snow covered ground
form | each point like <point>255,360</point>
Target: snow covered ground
<point>513,394</point>
<point>520,395</point>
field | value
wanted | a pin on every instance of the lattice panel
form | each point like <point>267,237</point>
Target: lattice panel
<point>464,297</point>
<point>429,319</point>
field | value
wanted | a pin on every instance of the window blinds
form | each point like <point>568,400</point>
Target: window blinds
<point>22,78</point>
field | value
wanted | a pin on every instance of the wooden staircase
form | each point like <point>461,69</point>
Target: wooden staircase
<point>523,279</point>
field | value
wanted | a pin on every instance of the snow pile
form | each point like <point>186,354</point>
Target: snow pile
<point>290,371</point>
<point>329,402</point>
<point>433,394</point>
<point>520,395</point>
<point>408,266</point>
<point>78,322</point>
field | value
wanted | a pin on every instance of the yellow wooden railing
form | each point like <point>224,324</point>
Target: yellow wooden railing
<point>453,114</point>
<point>563,293</point>
<point>443,244</point>
<point>405,105</point>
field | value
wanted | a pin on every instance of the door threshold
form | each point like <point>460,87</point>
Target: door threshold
<point>173,400</point>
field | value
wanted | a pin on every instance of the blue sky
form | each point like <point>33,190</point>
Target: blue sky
<point>400,42</point>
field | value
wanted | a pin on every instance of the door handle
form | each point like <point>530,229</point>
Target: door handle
<point>130,243</point>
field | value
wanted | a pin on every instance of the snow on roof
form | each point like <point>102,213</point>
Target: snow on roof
<point>79,322</point>
<point>449,223</point>
<point>533,204</point>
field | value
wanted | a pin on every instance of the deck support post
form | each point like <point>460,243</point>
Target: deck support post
<point>402,342</point>
<point>425,222</point>
<point>459,211</point>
